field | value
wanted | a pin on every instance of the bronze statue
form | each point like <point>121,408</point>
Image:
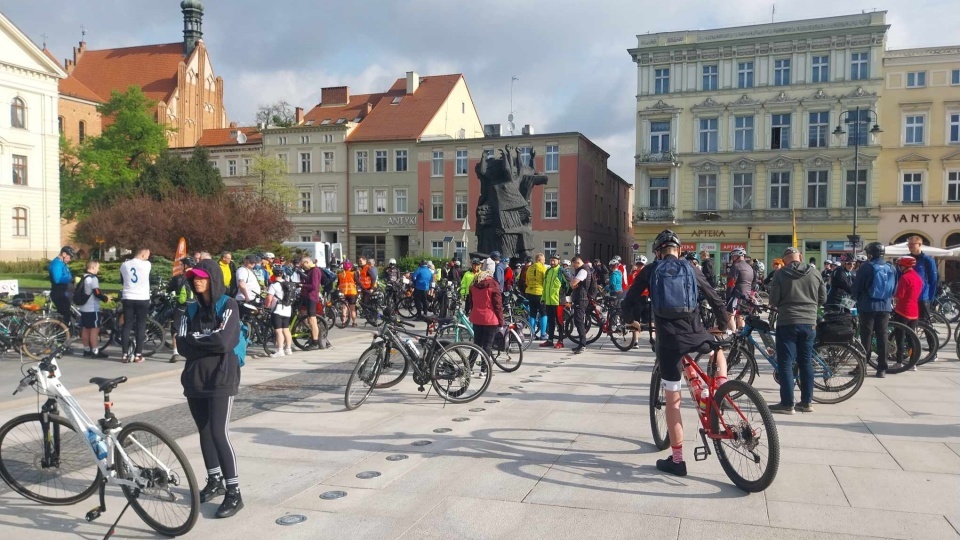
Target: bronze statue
<point>503,210</point>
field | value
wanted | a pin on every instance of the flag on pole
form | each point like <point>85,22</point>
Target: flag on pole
<point>180,253</point>
<point>795,243</point>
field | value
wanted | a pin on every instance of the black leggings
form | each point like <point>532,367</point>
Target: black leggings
<point>134,310</point>
<point>553,326</point>
<point>60,295</point>
<point>420,301</point>
<point>536,307</point>
<point>483,336</point>
<point>212,416</point>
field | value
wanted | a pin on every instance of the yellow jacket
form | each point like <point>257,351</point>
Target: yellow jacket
<point>534,278</point>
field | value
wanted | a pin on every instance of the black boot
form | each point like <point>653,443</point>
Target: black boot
<point>213,489</point>
<point>232,503</point>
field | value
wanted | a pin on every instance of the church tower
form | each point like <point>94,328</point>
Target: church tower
<point>192,24</point>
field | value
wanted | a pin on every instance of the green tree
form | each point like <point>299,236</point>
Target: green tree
<point>277,114</point>
<point>110,165</point>
<point>171,174</point>
<point>269,180</point>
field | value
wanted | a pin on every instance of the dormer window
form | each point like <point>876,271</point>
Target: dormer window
<point>397,100</point>
<point>341,121</point>
<point>325,122</point>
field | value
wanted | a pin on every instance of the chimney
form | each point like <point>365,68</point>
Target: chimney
<point>233,125</point>
<point>192,24</point>
<point>413,82</point>
<point>298,115</point>
<point>335,95</point>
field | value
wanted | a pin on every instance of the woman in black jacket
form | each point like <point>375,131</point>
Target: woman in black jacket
<point>209,332</point>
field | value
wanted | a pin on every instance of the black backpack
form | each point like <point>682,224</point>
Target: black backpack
<point>287,288</point>
<point>80,295</point>
<point>592,285</point>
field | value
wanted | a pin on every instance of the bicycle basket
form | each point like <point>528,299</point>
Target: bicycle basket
<point>836,328</point>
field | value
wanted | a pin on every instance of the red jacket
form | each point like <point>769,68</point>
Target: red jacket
<point>486,303</point>
<point>907,295</point>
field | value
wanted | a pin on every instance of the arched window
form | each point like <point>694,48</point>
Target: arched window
<point>60,125</point>
<point>82,131</point>
<point>903,238</point>
<point>18,113</point>
<point>953,240</point>
<point>20,221</point>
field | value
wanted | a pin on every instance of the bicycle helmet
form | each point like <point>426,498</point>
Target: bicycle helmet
<point>69,251</point>
<point>392,262</point>
<point>613,262</point>
<point>189,262</point>
<point>665,238</point>
<point>861,258</point>
<point>347,265</point>
<point>565,262</point>
<point>738,252</point>
<point>907,261</point>
<point>475,261</point>
<point>874,250</point>
<point>761,267</point>
<point>643,259</point>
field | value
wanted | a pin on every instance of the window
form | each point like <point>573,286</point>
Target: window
<point>380,200</point>
<point>18,114</point>
<point>916,79</point>
<point>817,189</point>
<point>361,161</point>
<point>400,201</point>
<point>954,127</point>
<point>328,162</point>
<point>780,131</point>
<point>745,75</point>
<point>914,134</point>
<point>380,161</point>
<point>460,250</point>
<point>526,155</point>
<point>708,134</point>
<point>214,164</point>
<point>281,140</point>
<point>742,191</point>
<point>859,69</point>
<point>707,192</point>
<point>82,131</point>
<point>328,197</point>
<point>20,222</point>
<point>19,170</point>
<point>780,189</point>
<point>60,125</point>
<point>437,169</point>
<point>282,158</point>
<point>304,162</point>
<point>400,159</point>
<point>460,206</point>
<point>819,122</point>
<point>710,77</point>
<point>859,187</point>
<point>912,188</point>
<point>953,186</point>
<point>743,133</point>
<point>304,139</point>
<point>306,238</point>
<point>661,81</point>
<point>306,201</point>
<point>955,77</point>
<point>246,167</point>
<point>436,248</point>
<point>231,167</point>
<point>858,129</point>
<point>659,137</point>
<point>551,204</point>
<point>327,138</point>
<point>550,248</point>
<point>552,162</point>
<point>660,192</point>
<point>781,72</point>
<point>362,202</point>
<point>460,168</point>
<point>821,69</point>
<point>436,207</point>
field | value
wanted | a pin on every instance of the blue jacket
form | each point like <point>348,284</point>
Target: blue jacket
<point>615,285</point>
<point>422,278</point>
<point>59,272</point>
<point>926,268</point>
<point>861,291</point>
<point>499,272</point>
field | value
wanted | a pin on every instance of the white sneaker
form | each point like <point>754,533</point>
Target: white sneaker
<point>278,354</point>
<point>290,352</point>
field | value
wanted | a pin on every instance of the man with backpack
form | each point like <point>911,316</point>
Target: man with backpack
<point>873,289</point>
<point>88,297</point>
<point>60,281</point>
<point>674,286</point>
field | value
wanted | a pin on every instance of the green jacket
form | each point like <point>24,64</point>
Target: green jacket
<point>466,282</point>
<point>553,283</point>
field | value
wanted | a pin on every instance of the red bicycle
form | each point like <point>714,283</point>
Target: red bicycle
<point>734,416</point>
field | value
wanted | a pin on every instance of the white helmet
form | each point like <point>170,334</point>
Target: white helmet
<point>761,267</point>
<point>392,262</point>
<point>738,252</point>
<point>643,259</point>
<point>269,255</point>
<point>566,262</point>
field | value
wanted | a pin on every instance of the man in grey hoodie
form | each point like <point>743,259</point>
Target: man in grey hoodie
<point>796,290</point>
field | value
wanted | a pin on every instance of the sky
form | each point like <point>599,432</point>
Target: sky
<point>569,55</point>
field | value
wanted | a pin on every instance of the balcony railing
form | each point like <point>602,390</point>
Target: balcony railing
<point>668,157</point>
<point>655,214</point>
<point>768,214</point>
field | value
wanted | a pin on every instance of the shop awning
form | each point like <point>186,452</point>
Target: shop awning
<point>899,250</point>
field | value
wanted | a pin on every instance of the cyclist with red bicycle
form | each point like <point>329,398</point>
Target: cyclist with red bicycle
<point>673,284</point>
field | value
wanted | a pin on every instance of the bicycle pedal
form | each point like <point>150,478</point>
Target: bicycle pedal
<point>94,514</point>
<point>701,453</point>
<point>420,388</point>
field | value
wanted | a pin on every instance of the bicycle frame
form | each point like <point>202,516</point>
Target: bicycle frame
<point>704,414</point>
<point>747,334</point>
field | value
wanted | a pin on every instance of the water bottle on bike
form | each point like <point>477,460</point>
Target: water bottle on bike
<point>697,389</point>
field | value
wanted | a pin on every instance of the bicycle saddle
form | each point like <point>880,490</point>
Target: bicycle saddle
<point>107,385</point>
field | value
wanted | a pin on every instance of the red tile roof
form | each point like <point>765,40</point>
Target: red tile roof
<point>72,87</point>
<point>150,67</point>
<point>224,136</point>
<point>386,120</point>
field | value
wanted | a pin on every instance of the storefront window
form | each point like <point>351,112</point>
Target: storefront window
<point>371,246</point>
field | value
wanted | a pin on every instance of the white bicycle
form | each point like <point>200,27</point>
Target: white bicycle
<point>46,456</point>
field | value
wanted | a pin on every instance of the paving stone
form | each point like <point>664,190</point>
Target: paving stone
<point>859,521</point>
<point>923,456</point>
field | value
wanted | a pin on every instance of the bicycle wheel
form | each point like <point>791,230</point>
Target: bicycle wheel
<point>929,344</point>
<point>364,377</point>
<point>154,338</point>
<point>524,331</point>
<point>394,368</point>
<point>741,364</point>
<point>50,464</point>
<point>455,332</point>
<point>460,372</point>
<point>942,327</point>
<point>167,497</point>
<point>593,326</point>
<point>838,372</point>
<point>44,336</point>
<point>621,335</point>
<point>269,338</point>
<point>301,334</point>
<point>407,308</point>
<point>658,411</point>
<point>949,307</point>
<point>339,320</point>
<point>510,358</point>
<point>911,345</point>
<point>749,451</point>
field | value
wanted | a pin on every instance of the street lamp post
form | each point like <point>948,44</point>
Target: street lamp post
<point>423,228</point>
<point>857,123</point>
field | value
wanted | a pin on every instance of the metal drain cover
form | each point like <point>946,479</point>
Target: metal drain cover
<point>544,371</point>
<point>330,495</point>
<point>293,519</point>
<point>528,381</point>
<point>516,387</point>
<point>397,457</point>
<point>477,409</point>
<point>558,362</point>
<point>503,393</point>
<point>492,401</point>
<point>461,419</point>
<point>536,376</point>
<point>442,430</point>
<point>421,443</point>
<point>366,475</point>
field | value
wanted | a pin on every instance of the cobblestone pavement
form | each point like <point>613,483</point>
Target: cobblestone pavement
<point>561,448</point>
